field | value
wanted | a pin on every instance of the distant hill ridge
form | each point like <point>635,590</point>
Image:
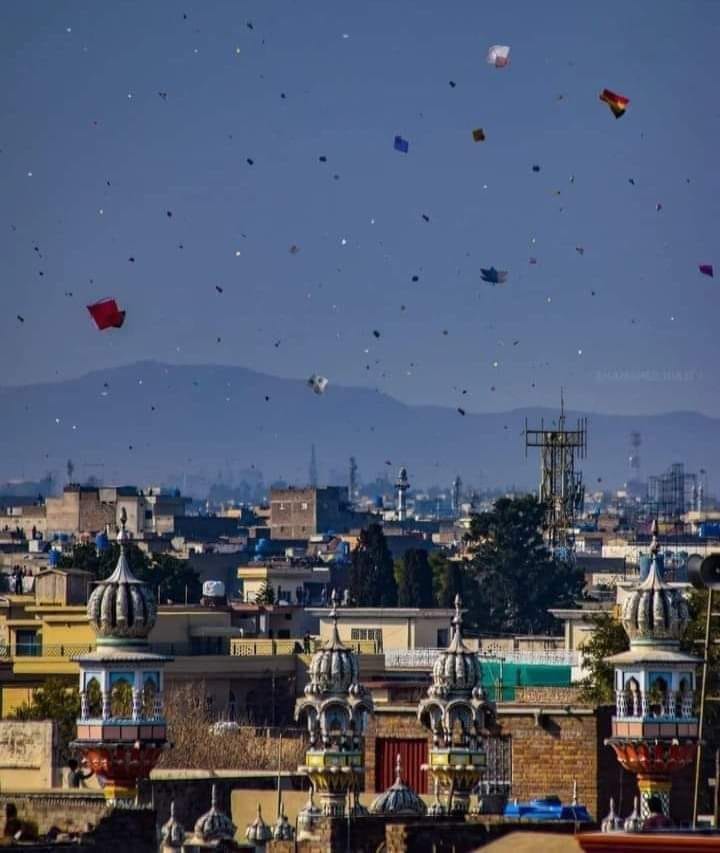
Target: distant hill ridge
<point>147,422</point>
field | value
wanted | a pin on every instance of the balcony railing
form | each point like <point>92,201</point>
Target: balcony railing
<point>261,646</point>
<point>233,647</point>
<point>425,658</point>
<point>640,704</point>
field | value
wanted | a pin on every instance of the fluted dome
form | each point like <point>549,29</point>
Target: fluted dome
<point>653,611</point>
<point>283,830</point>
<point>334,667</point>
<point>258,832</point>
<point>399,799</point>
<point>457,668</point>
<point>172,833</point>
<point>122,607</point>
<point>214,824</point>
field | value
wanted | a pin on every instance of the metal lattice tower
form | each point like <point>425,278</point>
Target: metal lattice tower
<point>561,487</point>
<point>455,495</point>
<point>353,479</point>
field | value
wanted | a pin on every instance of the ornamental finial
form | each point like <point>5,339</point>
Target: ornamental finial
<point>654,544</point>
<point>123,535</point>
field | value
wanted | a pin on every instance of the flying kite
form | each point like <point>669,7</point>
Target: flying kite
<point>707,269</point>
<point>617,103</point>
<point>478,135</point>
<point>401,145</point>
<point>499,55</point>
<point>106,314</point>
<point>493,276</point>
<point>317,383</point>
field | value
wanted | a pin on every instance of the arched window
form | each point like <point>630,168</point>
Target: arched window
<point>121,699</point>
<point>93,696</point>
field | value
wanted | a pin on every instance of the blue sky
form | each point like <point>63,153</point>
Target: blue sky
<point>355,75</point>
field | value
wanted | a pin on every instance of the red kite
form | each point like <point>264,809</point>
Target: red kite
<point>617,103</point>
<point>106,314</point>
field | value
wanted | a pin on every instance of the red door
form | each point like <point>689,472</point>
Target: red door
<point>413,752</point>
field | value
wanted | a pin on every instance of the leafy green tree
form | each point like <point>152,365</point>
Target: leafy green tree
<point>84,556</point>
<point>161,571</point>
<point>372,579</point>
<point>449,579</point>
<point>57,701</point>
<point>266,594</point>
<point>516,578</point>
<point>608,638</point>
<point>414,579</point>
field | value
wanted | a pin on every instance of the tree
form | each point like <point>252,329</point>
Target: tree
<point>266,594</point>
<point>608,638</point>
<point>372,579</point>
<point>516,578</point>
<point>448,577</point>
<point>168,573</point>
<point>414,579</point>
<point>56,701</point>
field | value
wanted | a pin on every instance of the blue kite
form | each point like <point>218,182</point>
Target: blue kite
<point>493,276</point>
<point>401,145</point>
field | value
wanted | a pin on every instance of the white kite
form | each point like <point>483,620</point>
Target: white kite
<point>317,383</point>
<point>499,55</point>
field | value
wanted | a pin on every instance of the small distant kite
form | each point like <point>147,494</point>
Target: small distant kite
<point>499,55</point>
<point>478,135</point>
<point>401,145</point>
<point>106,314</point>
<point>617,103</point>
<point>317,383</point>
<point>707,269</point>
<point>493,276</point>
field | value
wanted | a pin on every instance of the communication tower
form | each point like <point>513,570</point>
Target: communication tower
<point>561,487</point>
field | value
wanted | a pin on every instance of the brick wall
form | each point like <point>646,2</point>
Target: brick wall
<point>548,696</point>
<point>104,828</point>
<point>549,754</point>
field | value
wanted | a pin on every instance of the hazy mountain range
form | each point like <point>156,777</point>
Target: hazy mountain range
<point>155,423</point>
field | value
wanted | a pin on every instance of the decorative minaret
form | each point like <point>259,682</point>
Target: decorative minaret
<point>655,729</point>
<point>121,731</point>
<point>459,716</point>
<point>336,707</point>
<point>402,485</point>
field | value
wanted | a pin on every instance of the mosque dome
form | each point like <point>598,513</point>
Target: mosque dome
<point>283,830</point>
<point>457,668</point>
<point>258,832</point>
<point>214,824</point>
<point>122,607</point>
<point>399,799</point>
<point>654,611</point>
<point>172,833</point>
<point>334,667</point>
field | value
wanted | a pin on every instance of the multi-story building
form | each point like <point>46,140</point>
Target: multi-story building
<point>304,512</point>
<point>89,509</point>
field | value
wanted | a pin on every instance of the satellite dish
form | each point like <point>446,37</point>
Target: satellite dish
<point>704,574</point>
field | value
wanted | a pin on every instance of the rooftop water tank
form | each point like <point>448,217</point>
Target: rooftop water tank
<point>213,589</point>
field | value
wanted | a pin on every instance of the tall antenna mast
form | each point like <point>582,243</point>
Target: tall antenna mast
<point>561,487</point>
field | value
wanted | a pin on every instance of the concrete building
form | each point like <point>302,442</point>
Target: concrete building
<point>400,628</point>
<point>89,509</point>
<point>292,582</point>
<point>305,512</point>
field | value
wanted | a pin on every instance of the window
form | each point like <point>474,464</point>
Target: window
<point>442,638</point>
<point>366,634</point>
<point>27,643</point>
<point>303,505</point>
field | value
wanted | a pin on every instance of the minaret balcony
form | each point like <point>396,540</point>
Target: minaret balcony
<point>121,731</point>
<point>638,715</point>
